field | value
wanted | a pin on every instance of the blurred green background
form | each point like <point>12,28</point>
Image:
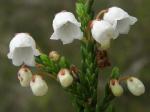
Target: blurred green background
<point>130,52</point>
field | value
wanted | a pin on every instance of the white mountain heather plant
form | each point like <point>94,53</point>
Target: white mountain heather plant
<point>95,35</point>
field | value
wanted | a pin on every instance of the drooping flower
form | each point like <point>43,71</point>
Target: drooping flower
<point>38,86</point>
<point>120,19</point>
<point>103,32</point>
<point>135,86</point>
<point>66,28</point>
<point>24,76</point>
<point>22,50</point>
<point>116,88</point>
<point>65,78</point>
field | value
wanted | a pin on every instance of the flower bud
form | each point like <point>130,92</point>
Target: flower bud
<point>38,86</point>
<point>65,77</point>
<point>135,86</point>
<point>24,76</point>
<point>54,55</point>
<point>116,88</point>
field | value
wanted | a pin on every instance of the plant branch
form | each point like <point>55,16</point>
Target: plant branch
<point>89,4</point>
<point>106,100</point>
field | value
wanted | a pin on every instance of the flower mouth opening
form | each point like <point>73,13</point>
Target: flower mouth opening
<point>62,72</point>
<point>33,78</point>
<point>113,82</point>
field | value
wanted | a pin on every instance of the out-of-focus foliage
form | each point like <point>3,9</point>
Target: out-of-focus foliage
<point>130,52</point>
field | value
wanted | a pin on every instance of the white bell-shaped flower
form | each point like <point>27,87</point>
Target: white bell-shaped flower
<point>66,28</point>
<point>24,76</point>
<point>38,86</point>
<point>135,86</point>
<point>103,32</point>
<point>65,78</point>
<point>22,50</point>
<point>116,88</point>
<point>120,19</point>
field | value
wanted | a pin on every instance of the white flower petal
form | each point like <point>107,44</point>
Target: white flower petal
<point>133,20</point>
<point>66,28</point>
<point>63,37</point>
<point>22,40</point>
<point>116,34</point>
<point>64,17</point>
<point>17,57</point>
<point>54,36</point>
<point>29,58</point>
<point>23,55</point>
<point>115,13</point>
<point>120,19</point>
<point>9,55</point>
<point>23,49</point>
<point>123,26</point>
<point>67,33</point>
<point>103,32</point>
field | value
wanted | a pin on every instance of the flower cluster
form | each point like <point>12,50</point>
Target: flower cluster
<point>115,21</point>
<point>107,26</point>
<point>36,83</point>
<point>22,52</point>
<point>135,86</point>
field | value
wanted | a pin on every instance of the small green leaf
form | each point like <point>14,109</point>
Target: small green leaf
<point>63,63</point>
<point>115,73</point>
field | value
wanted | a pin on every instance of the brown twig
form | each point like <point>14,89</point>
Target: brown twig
<point>101,14</point>
<point>123,78</point>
